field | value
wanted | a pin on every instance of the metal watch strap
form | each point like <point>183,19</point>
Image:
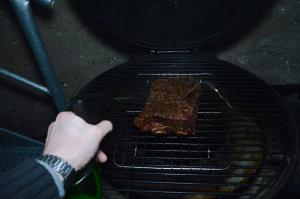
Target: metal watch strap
<point>57,163</point>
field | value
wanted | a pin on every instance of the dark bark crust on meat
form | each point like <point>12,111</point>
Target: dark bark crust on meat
<point>163,114</point>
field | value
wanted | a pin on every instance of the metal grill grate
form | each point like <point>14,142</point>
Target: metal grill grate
<point>240,154</point>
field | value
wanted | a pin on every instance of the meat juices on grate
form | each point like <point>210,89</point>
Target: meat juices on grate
<point>163,114</point>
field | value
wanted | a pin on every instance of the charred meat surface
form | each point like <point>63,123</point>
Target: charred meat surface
<point>164,114</point>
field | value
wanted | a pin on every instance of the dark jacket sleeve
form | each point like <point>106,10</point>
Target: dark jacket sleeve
<point>28,180</point>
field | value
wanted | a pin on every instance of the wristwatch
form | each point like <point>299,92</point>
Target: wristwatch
<point>58,164</point>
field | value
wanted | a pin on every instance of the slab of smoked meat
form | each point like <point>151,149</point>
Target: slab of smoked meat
<point>163,114</point>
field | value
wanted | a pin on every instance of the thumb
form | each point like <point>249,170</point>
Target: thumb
<point>104,127</point>
<point>101,156</point>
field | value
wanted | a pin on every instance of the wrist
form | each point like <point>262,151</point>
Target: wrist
<point>58,164</point>
<point>70,158</point>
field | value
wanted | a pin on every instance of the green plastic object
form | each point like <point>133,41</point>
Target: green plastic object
<point>89,188</point>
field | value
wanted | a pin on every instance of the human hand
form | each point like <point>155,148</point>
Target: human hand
<point>74,140</point>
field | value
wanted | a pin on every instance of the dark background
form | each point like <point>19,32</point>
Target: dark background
<point>269,46</point>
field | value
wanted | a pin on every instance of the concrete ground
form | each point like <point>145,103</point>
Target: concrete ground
<point>269,48</point>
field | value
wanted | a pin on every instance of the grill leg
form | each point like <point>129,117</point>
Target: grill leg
<point>23,11</point>
<point>23,80</point>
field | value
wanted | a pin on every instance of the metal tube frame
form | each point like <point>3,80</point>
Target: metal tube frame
<point>23,11</point>
<point>23,80</point>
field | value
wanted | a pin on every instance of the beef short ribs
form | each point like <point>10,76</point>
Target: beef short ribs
<point>164,114</point>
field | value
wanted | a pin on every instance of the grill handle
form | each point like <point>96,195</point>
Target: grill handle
<point>79,107</point>
<point>91,108</point>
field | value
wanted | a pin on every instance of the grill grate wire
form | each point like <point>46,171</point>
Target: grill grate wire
<point>240,148</point>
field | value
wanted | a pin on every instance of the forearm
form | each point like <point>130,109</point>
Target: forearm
<point>28,180</point>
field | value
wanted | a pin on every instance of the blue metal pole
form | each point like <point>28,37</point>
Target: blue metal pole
<point>47,3</point>
<point>23,80</point>
<point>23,11</point>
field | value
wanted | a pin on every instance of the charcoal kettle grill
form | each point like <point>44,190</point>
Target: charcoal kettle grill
<point>246,149</point>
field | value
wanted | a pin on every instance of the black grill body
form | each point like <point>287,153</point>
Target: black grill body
<point>245,152</point>
<point>170,25</point>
